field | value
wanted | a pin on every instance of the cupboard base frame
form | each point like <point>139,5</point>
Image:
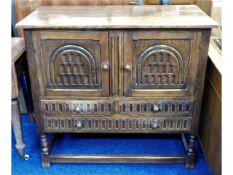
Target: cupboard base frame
<point>48,158</point>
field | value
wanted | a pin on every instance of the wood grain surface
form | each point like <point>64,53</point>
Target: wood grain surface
<point>145,77</point>
<point>99,17</point>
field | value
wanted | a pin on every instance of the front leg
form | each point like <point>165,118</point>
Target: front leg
<point>45,151</point>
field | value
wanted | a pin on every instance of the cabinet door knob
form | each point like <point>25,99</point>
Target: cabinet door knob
<point>155,125</point>
<point>155,108</point>
<point>79,124</point>
<point>128,67</point>
<point>105,66</point>
<point>77,109</point>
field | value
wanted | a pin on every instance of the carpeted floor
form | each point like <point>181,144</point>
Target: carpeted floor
<point>104,144</point>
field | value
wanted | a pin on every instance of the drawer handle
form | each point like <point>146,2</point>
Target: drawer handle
<point>156,108</point>
<point>79,124</point>
<point>77,109</point>
<point>128,67</point>
<point>105,66</point>
<point>155,125</point>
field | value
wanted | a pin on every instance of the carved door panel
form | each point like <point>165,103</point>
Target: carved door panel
<point>75,63</point>
<point>159,63</point>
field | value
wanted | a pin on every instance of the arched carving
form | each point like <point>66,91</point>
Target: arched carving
<point>160,65</point>
<point>73,65</point>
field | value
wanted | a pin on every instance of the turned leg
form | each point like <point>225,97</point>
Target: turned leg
<point>17,127</point>
<point>45,151</point>
<point>190,152</point>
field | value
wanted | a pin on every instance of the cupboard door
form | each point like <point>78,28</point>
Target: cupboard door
<point>75,63</point>
<point>160,63</point>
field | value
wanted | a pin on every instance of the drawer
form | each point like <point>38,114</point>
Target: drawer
<point>113,124</point>
<point>117,115</point>
<point>77,107</point>
<point>157,107</point>
<point>152,108</point>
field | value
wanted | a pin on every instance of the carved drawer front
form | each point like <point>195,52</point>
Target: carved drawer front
<point>77,107</point>
<point>159,63</point>
<point>158,107</point>
<point>121,125</point>
<point>74,63</point>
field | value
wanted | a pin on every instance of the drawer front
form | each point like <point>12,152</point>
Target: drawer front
<point>77,107</point>
<point>158,107</point>
<point>114,125</point>
<point>74,63</point>
<point>117,115</point>
<point>181,108</point>
<point>160,63</point>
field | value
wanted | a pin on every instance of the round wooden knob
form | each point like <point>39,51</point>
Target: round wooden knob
<point>155,125</point>
<point>79,124</point>
<point>77,109</point>
<point>155,108</point>
<point>105,66</point>
<point>128,67</point>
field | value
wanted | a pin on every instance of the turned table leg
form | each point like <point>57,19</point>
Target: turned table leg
<point>45,151</point>
<point>16,122</point>
<point>190,152</point>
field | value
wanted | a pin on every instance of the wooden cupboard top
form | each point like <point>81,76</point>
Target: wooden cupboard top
<point>117,17</point>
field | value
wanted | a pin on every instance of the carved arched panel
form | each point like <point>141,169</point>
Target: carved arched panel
<point>73,66</point>
<point>160,66</point>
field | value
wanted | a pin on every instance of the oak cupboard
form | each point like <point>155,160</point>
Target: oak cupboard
<point>117,69</point>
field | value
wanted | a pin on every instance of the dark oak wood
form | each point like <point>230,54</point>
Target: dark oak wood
<point>24,8</point>
<point>118,76</point>
<point>73,63</point>
<point>118,17</point>
<point>124,158</point>
<point>117,158</point>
